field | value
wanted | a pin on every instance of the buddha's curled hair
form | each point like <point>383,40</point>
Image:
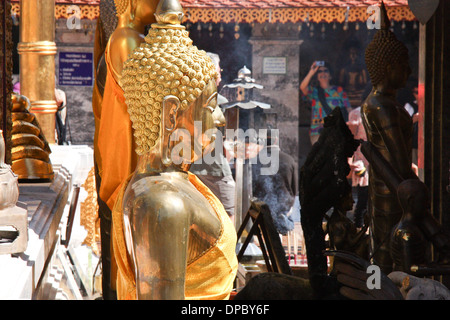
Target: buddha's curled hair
<point>384,49</point>
<point>121,6</point>
<point>165,64</point>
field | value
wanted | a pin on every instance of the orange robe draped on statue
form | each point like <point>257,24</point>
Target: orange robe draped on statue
<point>209,277</point>
<point>115,141</point>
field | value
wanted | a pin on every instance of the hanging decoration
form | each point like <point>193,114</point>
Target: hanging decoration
<point>210,29</point>
<point>423,9</point>
<point>199,29</point>
<point>346,19</point>
<point>221,30</point>
<point>236,31</point>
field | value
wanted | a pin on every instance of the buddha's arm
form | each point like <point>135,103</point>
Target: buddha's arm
<point>122,44</point>
<point>160,238</point>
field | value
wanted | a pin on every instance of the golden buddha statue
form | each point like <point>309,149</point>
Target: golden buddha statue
<point>114,145</point>
<point>172,238</point>
<point>30,152</point>
<point>389,129</point>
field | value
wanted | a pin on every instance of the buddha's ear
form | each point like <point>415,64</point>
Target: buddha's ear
<point>133,5</point>
<point>170,107</point>
<point>390,66</point>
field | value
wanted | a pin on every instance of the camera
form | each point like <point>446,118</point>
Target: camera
<point>320,63</point>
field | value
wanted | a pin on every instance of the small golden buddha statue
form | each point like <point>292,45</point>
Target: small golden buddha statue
<point>172,238</point>
<point>30,152</point>
<point>389,129</point>
<point>115,144</point>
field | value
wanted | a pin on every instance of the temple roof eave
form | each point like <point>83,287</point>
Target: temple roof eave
<point>268,11</point>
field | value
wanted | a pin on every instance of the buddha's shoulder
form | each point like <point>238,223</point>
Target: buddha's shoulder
<point>378,105</point>
<point>125,35</point>
<point>123,41</point>
<point>158,190</point>
<point>379,100</point>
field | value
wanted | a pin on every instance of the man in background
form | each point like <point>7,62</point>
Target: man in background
<point>217,176</point>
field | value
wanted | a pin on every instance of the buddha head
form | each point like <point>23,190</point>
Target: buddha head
<point>140,9</point>
<point>386,57</point>
<point>170,88</point>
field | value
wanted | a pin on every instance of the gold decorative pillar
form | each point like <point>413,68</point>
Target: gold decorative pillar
<point>37,51</point>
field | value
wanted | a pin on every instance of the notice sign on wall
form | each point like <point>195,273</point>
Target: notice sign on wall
<point>274,65</point>
<point>76,69</point>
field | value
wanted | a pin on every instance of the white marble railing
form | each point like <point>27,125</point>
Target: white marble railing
<point>22,274</point>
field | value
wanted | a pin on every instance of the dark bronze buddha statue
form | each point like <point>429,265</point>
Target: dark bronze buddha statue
<point>389,130</point>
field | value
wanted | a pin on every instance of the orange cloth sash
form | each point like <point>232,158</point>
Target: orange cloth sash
<point>96,108</point>
<point>209,277</point>
<point>115,141</point>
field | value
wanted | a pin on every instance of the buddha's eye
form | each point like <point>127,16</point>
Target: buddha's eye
<point>211,103</point>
